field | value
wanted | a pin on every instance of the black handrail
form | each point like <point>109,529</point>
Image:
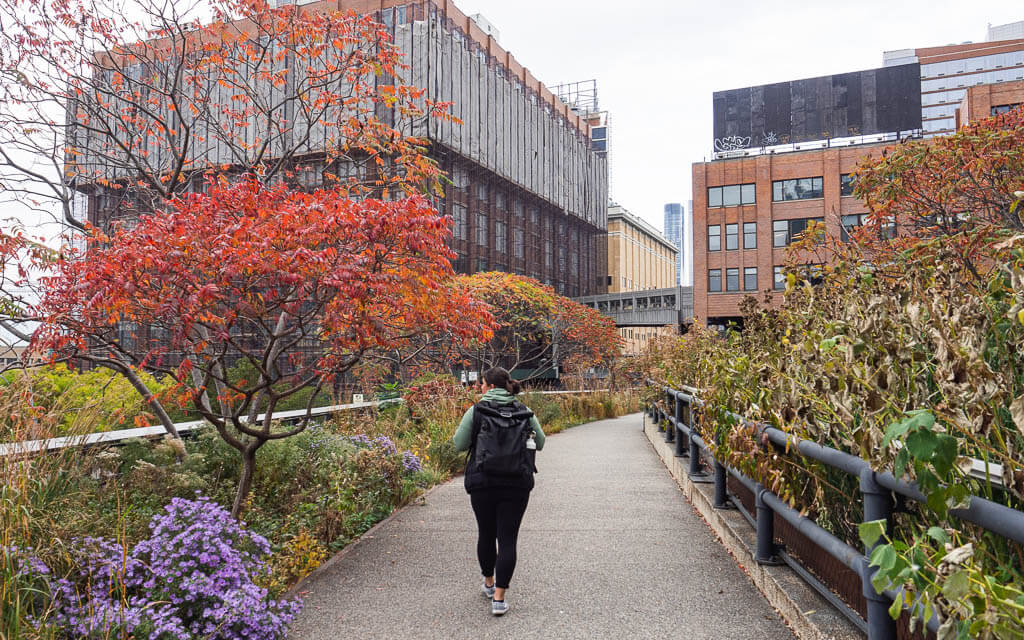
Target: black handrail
<point>877,491</point>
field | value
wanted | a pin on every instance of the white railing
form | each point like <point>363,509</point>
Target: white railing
<point>25,447</point>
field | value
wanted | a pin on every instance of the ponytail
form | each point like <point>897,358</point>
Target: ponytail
<point>500,377</point>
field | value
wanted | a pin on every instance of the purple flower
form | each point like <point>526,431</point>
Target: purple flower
<point>384,443</point>
<point>411,462</point>
<point>192,578</point>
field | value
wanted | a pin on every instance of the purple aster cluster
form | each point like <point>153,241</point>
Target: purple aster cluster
<point>192,578</point>
<point>361,440</point>
<point>385,444</point>
<point>411,462</point>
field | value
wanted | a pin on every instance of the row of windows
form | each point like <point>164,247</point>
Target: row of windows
<point>732,236</point>
<point>732,279</point>
<point>782,191</point>
<point>731,195</point>
<point>798,189</point>
<point>786,232</point>
<point>987,77</point>
<point>970,65</point>
<point>943,97</point>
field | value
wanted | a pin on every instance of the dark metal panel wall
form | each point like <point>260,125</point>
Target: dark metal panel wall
<point>880,100</point>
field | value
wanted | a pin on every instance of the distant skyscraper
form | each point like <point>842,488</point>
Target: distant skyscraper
<point>675,232</point>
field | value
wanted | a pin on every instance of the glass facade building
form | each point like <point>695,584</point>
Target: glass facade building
<point>679,231</point>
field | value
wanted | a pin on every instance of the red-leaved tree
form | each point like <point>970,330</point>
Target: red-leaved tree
<point>536,328</point>
<point>946,184</point>
<point>301,286</point>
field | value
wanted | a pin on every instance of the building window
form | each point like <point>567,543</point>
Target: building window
<point>548,254</point>
<point>714,237</point>
<point>732,240</point>
<point>797,189</point>
<point>749,235</point>
<point>778,279</point>
<point>459,220</point>
<point>481,191</point>
<point>460,178</point>
<point>851,223</point>
<point>481,264</point>
<point>500,237</point>
<point>499,201</point>
<point>561,259</point>
<point>785,232</point>
<point>1003,108</point>
<point>714,280</point>
<point>750,278</point>
<point>731,195</point>
<point>732,279</point>
<point>519,243</point>
<point>481,229</point>
<point>846,183</point>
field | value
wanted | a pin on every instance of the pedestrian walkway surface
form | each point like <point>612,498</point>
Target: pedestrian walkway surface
<point>609,548</point>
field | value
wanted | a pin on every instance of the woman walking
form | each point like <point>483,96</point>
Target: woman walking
<point>502,437</point>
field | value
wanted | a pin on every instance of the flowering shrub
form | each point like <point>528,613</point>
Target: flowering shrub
<point>411,462</point>
<point>384,447</point>
<point>192,578</point>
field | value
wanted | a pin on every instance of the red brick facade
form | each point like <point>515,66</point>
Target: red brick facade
<point>979,101</point>
<point>762,171</point>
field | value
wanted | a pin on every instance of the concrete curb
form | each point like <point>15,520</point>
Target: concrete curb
<point>809,615</point>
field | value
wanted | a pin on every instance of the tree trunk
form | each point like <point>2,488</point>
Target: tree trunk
<point>245,482</point>
<point>146,394</point>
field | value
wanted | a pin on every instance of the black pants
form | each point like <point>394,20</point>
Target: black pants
<point>499,512</point>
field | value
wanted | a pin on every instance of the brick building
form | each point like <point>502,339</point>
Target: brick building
<point>746,212</point>
<point>987,100</point>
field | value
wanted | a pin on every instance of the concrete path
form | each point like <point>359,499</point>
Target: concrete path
<point>609,548</point>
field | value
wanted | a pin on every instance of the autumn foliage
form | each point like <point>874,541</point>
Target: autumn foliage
<point>302,286</point>
<point>945,184</point>
<point>537,328</point>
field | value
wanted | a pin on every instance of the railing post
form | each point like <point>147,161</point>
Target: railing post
<point>766,549</point>
<point>878,504</point>
<point>681,419</point>
<point>670,401</point>
<point>694,471</point>
<point>721,488</point>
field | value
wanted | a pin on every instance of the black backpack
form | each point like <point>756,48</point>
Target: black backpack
<point>499,456</point>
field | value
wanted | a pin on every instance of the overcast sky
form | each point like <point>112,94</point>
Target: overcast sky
<point>657,62</point>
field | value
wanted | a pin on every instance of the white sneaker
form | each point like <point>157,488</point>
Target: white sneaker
<point>499,607</point>
<point>488,591</point>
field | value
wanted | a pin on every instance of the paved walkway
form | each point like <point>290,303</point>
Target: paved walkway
<point>609,548</point>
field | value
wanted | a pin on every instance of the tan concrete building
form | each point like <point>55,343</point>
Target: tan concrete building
<point>639,256</point>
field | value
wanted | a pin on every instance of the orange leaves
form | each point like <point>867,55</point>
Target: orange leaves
<point>246,265</point>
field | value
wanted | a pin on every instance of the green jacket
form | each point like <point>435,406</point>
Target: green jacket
<point>463,437</point>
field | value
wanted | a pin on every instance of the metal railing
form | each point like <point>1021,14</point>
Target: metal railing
<point>878,491</point>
